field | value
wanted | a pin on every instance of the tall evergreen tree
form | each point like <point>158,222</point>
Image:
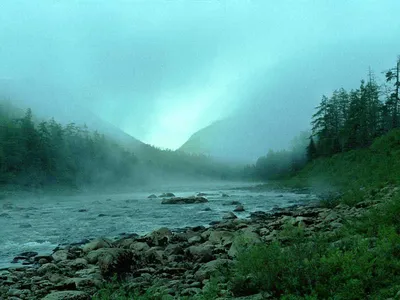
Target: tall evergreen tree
<point>393,100</point>
<point>311,150</point>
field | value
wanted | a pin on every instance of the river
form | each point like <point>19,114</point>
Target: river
<point>42,223</point>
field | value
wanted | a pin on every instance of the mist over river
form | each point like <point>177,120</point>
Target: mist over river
<point>42,223</point>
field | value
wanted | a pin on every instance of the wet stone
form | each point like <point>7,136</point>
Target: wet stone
<point>28,254</point>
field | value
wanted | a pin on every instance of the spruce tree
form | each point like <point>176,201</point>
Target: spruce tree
<point>393,100</point>
<point>311,150</point>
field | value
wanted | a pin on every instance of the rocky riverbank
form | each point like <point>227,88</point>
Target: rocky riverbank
<point>181,261</point>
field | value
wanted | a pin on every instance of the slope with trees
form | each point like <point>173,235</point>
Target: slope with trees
<point>38,154</point>
<point>345,121</point>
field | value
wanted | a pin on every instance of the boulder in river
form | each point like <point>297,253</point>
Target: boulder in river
<point>152,196</point>
<point>80,243</point>
<point>234,202</point>
<point>239,208</point>
<point>185,200</point>
<point>167,195</point>
<point>28,254</point>
<point>201,194</point>
<point>17,259</point>
<point>229,216</point>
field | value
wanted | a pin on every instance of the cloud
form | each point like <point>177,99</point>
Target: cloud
<point>161,70</point>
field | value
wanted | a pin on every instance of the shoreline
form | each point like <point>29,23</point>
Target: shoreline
<point>186,256</point>
<point>113,215</point>
<point>11,191</point>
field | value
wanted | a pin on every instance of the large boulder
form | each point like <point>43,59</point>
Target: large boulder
<point>97,244</point>
<point>112,260</point>
<point>155,255</point>
<point>239,208</point>
<point>221,237</point>
<point>48,268</point>
<point>139,247</point>
<point>174,249</point>
<point>167,195</point>
<point>90,272</point>
<point>242,241</point>
<point>201,253</point>
<point>194,239</point>
<point>82,284</point>
<point>161,237</point>
<point>67,295</point>
<point>229,216</point>
<point>210,268</point>
<point>78,264</point>
<point>60,255</point>
<point>124,243</point>
<point>185,200</point>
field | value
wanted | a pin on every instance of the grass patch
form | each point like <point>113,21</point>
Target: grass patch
<point>122,290</point>
<point>361,261</point>
<point>353,174</point>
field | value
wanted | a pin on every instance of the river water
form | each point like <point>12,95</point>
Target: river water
<point>41,223</point>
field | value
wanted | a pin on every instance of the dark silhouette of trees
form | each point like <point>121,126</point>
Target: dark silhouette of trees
<point>41,154</point>
<point>393,77</point>
<point>49,153</point>
<point>352,120</point>
<point>344,121</point>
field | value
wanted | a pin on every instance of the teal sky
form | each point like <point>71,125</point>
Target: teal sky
<point>160,70</point>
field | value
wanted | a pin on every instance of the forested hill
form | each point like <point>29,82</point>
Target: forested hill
<point>40,154</point>
<point>345,121</point>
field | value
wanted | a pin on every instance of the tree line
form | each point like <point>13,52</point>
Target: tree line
<point>345,121</point>
<point>39,154</point>
<point>277,164</point>
<point>353,119</point>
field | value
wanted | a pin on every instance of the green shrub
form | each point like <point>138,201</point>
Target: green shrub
<point>120,290</point>
<point>354,173</point>
<point>361,261</point>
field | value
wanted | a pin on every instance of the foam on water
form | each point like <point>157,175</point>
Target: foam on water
<point>10,249</point>
<point>41,224</point>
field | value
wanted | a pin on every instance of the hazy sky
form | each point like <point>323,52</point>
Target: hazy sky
<point>161,70</point>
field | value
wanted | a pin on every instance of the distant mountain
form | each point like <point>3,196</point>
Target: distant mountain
<point>51,102</point>
<point>154,164</point>
<point>222,140</point>
<point>205,140</point>
<point>240,139</point>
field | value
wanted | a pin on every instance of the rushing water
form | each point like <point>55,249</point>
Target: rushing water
<point>40,224</point>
